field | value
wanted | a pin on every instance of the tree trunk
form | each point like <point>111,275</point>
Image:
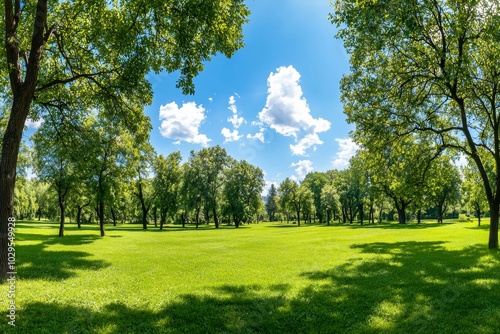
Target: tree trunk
<point>419,216</point>
<point>79,216</point>
<point>478,212</point>
<point>113,214</point>
<point>361,213</point>
<point>62,207</point>
<point>100,212</point>
<point>214,210</point>
<point>155,215</point>
<point>493,237</point>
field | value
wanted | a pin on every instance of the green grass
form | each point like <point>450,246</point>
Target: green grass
<point>266,278</point>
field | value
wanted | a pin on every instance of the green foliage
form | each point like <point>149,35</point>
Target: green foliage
<point>427,68</point>
<point>265,278</point>
<point>271,203</point>
<point>243,185</point>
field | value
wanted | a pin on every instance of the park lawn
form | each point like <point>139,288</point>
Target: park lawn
<point>262,278</point>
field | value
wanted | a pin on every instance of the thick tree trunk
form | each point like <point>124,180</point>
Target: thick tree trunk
<point>494,211</point>
<point>8,163</point>
<point>419,216</point>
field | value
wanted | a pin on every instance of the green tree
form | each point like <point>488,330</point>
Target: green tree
<point>167,182</point>
<point>54,163</point>
<point>330,201</point>
<point>429,67</point>
<point>25,199</point>
<point>444,184</point>
<point>315,182</point>
<point>99,53</point>
<point>242,191</point>
<point>473,193</point>
<point>271,203</point>
<point>107,158</point>
<point>294,197</point>
<point>206,168</point>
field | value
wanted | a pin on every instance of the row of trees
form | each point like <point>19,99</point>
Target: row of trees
<point>404,179</point>
<point>99,165</point>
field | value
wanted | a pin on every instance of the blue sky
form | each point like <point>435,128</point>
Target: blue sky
<point>275,103</point>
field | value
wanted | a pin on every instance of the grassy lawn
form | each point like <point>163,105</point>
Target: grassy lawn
<point>266,278</point>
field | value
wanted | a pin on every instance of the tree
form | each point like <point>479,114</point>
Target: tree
<point>473,193</point>
<point>168,182</point>
<point>427,67</point>
<point>107,158</point>
<point>54,163</point>
<point>444,184</point>
<point>315,182</point>
<point>242,191</point>
<point>293,197</point>
<point>400,169</point>
<point>271,204</point>
<point>206,167</point>
<point>145,192</point>
<point>330,201</point>
<point>97,52</point>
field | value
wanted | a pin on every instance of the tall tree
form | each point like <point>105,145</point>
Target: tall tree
<point>444,184</point>
<point>96,52</point>
<point>427,66</point>
<point>242,190</point>
<point>315,182</point>
<point>330,201</point>
<point>55,163</point>
<point>271,204</point>
<point>473,194</point>
<point>207,165</point>
<point>168,182</point>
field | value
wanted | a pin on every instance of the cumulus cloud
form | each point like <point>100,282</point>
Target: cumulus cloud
<point>230,135</point>
<point>183,123</point>
<point>31,124</point>
<point>347,149</point>
<point>305,143</point>
<point>303,168</point>
<point>287,111</point>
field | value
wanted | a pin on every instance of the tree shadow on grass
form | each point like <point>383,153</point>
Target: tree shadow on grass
<point>406,287</point>
<point>35,261</point>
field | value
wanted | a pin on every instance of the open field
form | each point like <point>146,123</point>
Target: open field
<point>265,278</point>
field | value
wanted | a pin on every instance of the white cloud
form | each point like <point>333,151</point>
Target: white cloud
<point>234,119</point>
<point>286,111</point>
<point>230,135</point>
<point>347,149</point>
<point>31,124</point>
<point>308,141</point>
<point>258,136</point>
<point>183,123</point>
<point>303,168</point>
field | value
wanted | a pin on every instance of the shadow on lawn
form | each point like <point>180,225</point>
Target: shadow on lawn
<point>409,287</point>
<point>35,261</point>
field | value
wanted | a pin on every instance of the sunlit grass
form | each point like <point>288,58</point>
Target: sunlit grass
<point>266,278</point>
